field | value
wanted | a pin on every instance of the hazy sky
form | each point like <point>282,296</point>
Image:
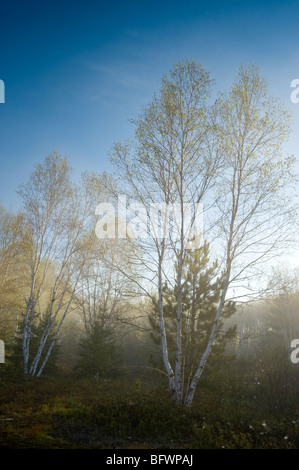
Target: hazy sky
<point>76,71</point>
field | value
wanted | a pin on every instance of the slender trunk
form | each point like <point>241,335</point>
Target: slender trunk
<point>51,346</point>
<point>25,346</point>
<point>50,326</point>
<point>41,346</point>
<point>167,365</point>
<point>45,334</point>
<point>27,323</point>
<point>27,332</point>
<point>178,364</point>
<point>204,358</point>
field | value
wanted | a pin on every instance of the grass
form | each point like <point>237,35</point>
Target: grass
<point>132,413</point>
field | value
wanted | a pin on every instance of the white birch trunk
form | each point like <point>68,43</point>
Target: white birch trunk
<point>172,386</point>
<point>204,358</point>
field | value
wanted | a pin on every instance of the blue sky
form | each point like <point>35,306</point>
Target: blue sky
<point>76,71</point>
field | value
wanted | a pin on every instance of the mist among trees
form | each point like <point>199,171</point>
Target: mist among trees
<point>111,298</point>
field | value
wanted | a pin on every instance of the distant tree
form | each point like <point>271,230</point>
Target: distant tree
<point>12,271</point>
<point>57,217</point>
<point>104,291</point>
<point>284,316</point>
<point>98,355</point>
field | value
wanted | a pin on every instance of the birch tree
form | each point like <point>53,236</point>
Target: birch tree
<point>104,291</point>
<point>257,218</point>
<point>172,162</point>
<point>57,216</point>
<point>11,266</point>
<point>227,156</point>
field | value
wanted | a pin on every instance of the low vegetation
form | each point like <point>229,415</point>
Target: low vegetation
<point>134,411</point>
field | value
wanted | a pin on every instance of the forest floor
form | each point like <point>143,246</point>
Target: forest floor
<point>131,413</point>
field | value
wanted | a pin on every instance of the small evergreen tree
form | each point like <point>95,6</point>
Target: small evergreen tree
<point>98,353</point>
<point>201,289</point>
